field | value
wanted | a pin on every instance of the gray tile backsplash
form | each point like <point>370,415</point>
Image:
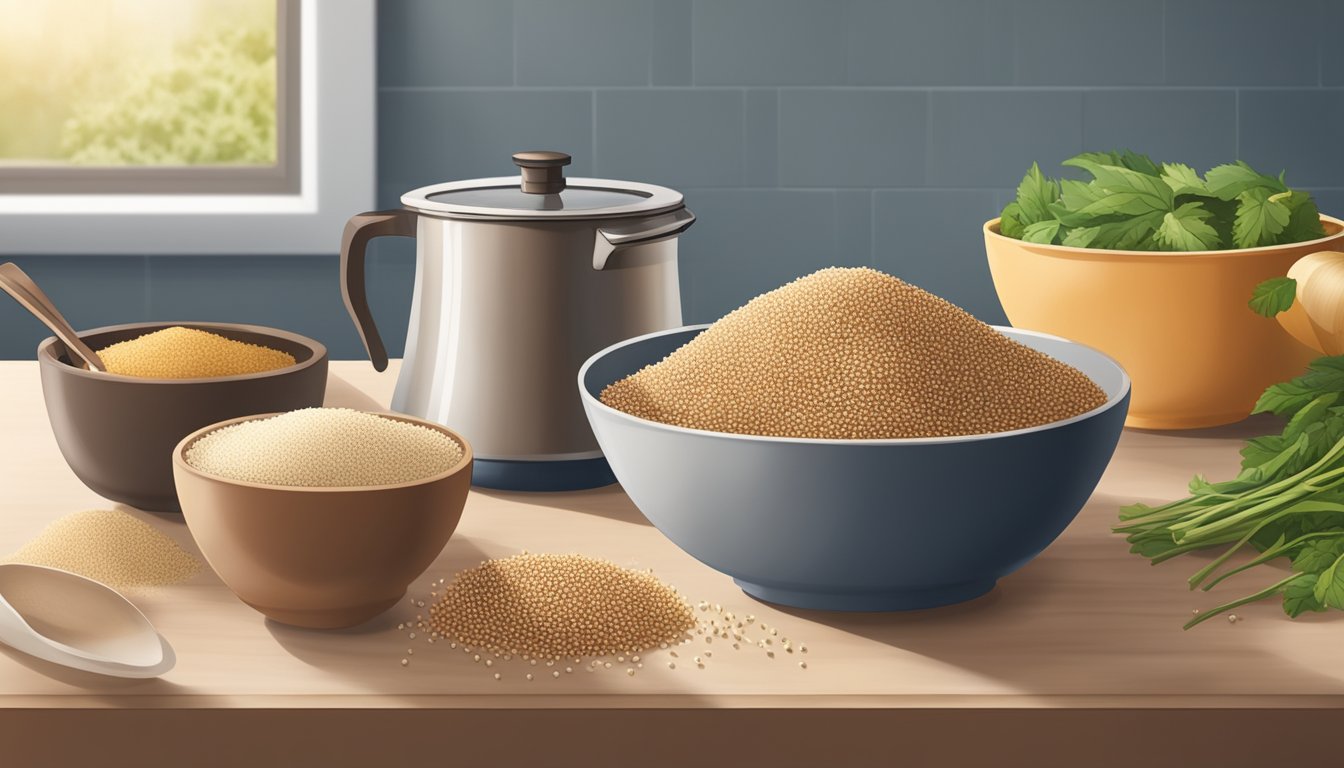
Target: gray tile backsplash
<point>760,138</point>
<point>91,291</point>
<point>1088,42</point>
<point>924,43</point>
<point>980,138</point>
<point>852,138</point>
<point>1195,127</point>
<point>433,43</point>
<point>1299,131</point>
<point>933,238</point>
<point>803,133</point>
<point>424,137</point>
<point>1246,42</point>
<point>670,47</point>
<point>746,242</point>
<point>768,42</point>
<point>583,42</point>
<point>675,137</point>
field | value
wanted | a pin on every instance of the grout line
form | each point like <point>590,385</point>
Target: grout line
<point>928,137</point>
<point>846,43</point>
<point>837,228</point>
<point>746,137</point>
<point>779,127</point>
<point>1082,121</point>
<point>592,162</point>
<point>1166,75</point>
<point>691,42</point>
<point>1016,37</point>
<point>513,25</point>
<point>872,228</point>
<point>1236,124</point>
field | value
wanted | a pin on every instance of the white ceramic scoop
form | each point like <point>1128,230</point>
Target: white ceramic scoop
<point>67,619</point>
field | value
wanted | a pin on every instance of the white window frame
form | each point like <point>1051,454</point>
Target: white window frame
<point>338,105</point>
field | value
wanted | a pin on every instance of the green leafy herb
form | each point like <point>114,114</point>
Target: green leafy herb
<point>1329,589</point>
<point>1325,375</point>
<point>1041,232</point>
<point>1133,203</point>
<point>1127,191</point>
<point>1010,221</point>
<point>1228,182</point>
<point>1260,218</point>
<point>1287,502</point>
<point>1034,196</point>
<point>1318,554</point>
<point>1187,229</point>
<point>1184,180</point>
<point>1304,220</point>
<point>1273,296</point>
<point>1299,596</point>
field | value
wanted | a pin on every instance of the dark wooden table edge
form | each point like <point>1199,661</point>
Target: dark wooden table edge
<point>953,736</point>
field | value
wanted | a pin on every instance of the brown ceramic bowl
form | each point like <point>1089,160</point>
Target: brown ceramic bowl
<point>321,557</point>
<point>118,432</point>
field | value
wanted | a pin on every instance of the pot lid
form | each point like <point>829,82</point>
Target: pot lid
<point>541,192</point>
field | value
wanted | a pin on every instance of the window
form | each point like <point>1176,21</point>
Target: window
<point>184,126</point>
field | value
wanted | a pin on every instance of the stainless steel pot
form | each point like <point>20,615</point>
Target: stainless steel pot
<point>518,281</point>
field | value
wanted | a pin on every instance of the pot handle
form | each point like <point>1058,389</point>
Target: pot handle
<point>609,240</point>
<point>359,230</point>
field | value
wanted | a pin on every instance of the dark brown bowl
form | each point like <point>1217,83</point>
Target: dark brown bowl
<point>118,432</point>
<point>321,558</point>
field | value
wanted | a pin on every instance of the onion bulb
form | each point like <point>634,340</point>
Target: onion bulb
<point>1316,317</point>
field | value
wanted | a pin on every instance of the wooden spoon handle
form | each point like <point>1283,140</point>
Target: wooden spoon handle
<point>18,284</point>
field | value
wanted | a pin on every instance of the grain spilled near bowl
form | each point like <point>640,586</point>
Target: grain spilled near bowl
<point>551,606</point>
<point>553,614</point>
<point>852,353</point>
<point>112,547</point>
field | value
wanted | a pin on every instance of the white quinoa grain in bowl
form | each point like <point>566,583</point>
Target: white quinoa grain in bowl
<point>322,517</point>
<point>325,447</point>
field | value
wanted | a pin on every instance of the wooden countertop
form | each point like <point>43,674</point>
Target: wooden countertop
<point>1083,648</point>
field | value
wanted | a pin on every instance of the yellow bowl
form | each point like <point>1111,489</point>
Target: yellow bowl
<point>1178,322</point>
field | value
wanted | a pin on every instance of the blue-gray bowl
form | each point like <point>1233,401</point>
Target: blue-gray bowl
<point>858,525</point>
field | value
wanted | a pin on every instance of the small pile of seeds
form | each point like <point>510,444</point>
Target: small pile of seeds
<point>738,634</point>
<point>110,546</point>
<point>854,354</point>
<point>325,447</point>
<point>555,606</point>
<point>188,353</point>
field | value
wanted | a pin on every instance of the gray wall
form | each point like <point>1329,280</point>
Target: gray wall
<point>803,132</point>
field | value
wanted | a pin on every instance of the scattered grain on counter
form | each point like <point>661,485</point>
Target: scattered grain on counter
<point>550,606</point>
<point>188,353</point>
<point>854,354</point>
<point>325,447</point>
<point>541,608</point>
<point>112,547</point>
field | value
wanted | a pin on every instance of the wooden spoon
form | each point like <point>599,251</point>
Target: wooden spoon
<point>18,284</point>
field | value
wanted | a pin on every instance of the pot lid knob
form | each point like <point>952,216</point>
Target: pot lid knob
<point>543,172</point>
